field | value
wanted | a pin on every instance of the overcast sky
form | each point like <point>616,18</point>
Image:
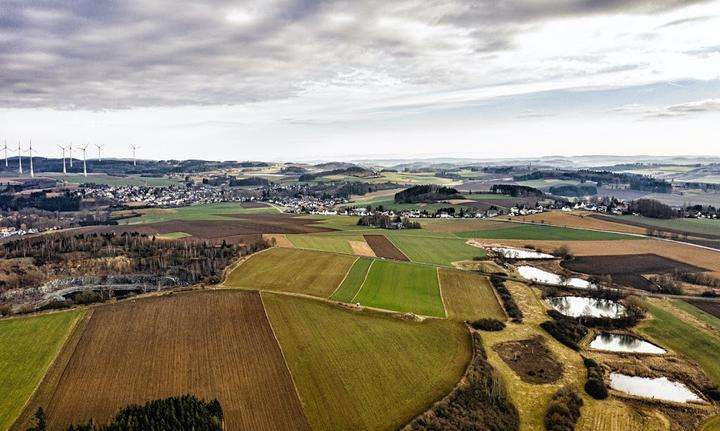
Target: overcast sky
<point>282,80</point>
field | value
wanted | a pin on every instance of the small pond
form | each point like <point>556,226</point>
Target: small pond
<point>657,388</point>
<point>519,253</point>
<point>624,343</point>
<point>536,274</point>
<point>580,306</point>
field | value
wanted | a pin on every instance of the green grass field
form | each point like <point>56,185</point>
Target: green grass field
<point>402,287</point>
<point>468,296</point>
<point>130,180</point>
<point>325,242</point>
<point>535,232</point>
<point>438,250</point>
<point>702,226</point>
<point>668,330</point>
<point>365,370</point>
<point>353,281</point>
<point>699,314</point>
<point>292,270</point>
<point>28,345</point>
<point>208,212</point>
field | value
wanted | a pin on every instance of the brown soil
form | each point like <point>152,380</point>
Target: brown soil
<point>213,344</point>
<point>382,247</point>
<point>280,239</point>
<point>628,270</point>
<point>709,307</point>
<point>582,220</point>
<point>531,360</point>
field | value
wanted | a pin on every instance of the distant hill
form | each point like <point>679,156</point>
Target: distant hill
<point>426,194</point>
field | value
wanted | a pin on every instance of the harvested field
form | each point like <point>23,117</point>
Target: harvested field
<point>382,247</point>
<point>353,281</point>
<point>280,239</point>
<point>615,415</point>
<point>329,243</point>
<point>27,347</point>
<point>292,270</point>
<point>361,248</point>
<point>214,344</point>
<point>402,287</point>
<point>531,360</point>
<point>468,296</point>
<point>628,270</point>
<point>363,370</point>
<point>582,220</point>
<point>710,307</point>
<point>688,254</point>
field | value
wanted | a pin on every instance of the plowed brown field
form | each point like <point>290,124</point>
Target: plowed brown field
<point>382,247</point>
<point>215,344</point>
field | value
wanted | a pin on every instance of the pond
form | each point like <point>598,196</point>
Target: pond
<point>519,253</point>
<point>536,274</point>
<point>580,306</point>
<point>657,388</point>
<point>624,343</point>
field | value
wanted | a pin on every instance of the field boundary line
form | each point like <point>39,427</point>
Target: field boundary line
<point>86,315</point>
<point>344,278</point>
<point>352,301</point>
<point>229,269</point>
<point>442,298</point>
<point>282,352</point>
<point>396,246</point>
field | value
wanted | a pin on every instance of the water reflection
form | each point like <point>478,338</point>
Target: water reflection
<point>624,343</point>
<point>580,306</point>
<point>536,274</point>
<point>657,388</point>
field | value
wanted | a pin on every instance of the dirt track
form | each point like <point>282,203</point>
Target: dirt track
<point>215,344</point>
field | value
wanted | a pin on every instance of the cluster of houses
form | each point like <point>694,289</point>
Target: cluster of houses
<point>7,232</point>
<point>168,196</point>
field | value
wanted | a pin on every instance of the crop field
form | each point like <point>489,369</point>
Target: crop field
<point>292,270</point>
<point>468,296</point>
<point>628,270</point>
<point>461,225</point>
<point>439,251</point>
<point>581,220</point>
<point>536,232</point>
<point>27,347</point>
<point>365,370</point>
<point>708,307</point>
<point>330,243</point>
<point>383,247</point>
<point>697,226</point>
<point>688,254</point>
<point>174,235</point>
<point>402,287</point>
<point>215,344</point>
<point>684,338</point>
<point>353,281</point>
<point>219,211</point>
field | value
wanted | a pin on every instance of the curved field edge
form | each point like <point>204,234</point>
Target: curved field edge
<point>28,346</point>
<point>364,369</point>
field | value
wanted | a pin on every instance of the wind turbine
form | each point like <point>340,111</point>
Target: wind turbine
<point>63,153</point>
<point>70,155</point>
<point>98,147</point>
<point>84,160</point>
<point>134,158</point>
<point>32,172</point>
<point>19,151</point>
<point>5,148</point>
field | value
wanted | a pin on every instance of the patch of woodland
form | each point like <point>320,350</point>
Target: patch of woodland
<point>426,194</point>
<point>511,307</point>
<point>530,359</point>
<point>595,384</point>
<point>566,330</point>
<point>563,410</point>
<point>479,403</point>
<point>487,324</point>
<point>30,262</point>
<point>175,413</point>
<point>384,221</point>
<point>515,190</point>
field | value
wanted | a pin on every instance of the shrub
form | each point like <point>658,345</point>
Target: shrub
<point>595,385</point>
<point>488,325</point>
<point>86,297</point>
<point>508,301</point>
<point>564,329</point>
<point>713,394</point>
<point>563,411</point>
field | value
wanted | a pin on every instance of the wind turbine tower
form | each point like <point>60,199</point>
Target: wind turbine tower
<point>19,151</point>
<point>99,147</point>
<point>5,148</point>
<point>63,157</point>
<point>70,155</point>
<point>84,160</point>
<point>134,148</point>
<point>32,172</point>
